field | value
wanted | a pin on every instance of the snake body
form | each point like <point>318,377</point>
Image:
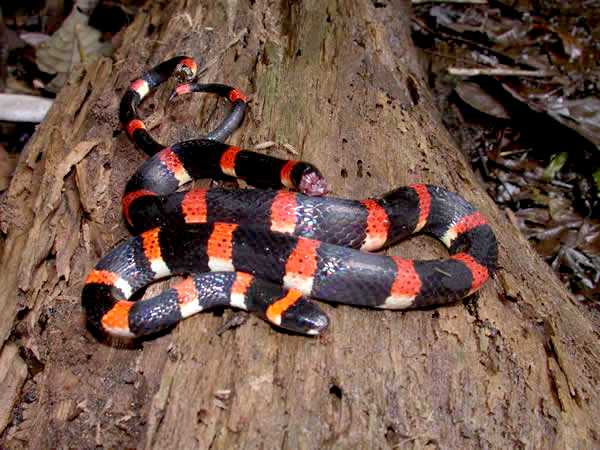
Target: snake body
<point>269,250</point>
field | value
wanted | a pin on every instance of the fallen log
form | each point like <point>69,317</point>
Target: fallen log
<point>338,83</point>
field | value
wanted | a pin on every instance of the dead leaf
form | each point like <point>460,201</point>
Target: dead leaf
<point>74,42</point>
<point>473,95</point>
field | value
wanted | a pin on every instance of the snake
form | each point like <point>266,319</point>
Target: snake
<point>272,249</point>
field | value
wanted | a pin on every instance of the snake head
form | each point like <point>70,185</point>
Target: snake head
<point>312,182</point>
<point>186,70</point>
<point>304,317</point>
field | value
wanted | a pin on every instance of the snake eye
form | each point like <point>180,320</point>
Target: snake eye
<point>305,317</point>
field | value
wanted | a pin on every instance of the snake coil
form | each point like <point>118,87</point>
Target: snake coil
<point>263,250</point>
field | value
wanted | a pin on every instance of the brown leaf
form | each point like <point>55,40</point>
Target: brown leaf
<point>472,94</point>
<point>74,42</point>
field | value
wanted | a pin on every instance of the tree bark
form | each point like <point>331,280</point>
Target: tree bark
<point>513,367</point>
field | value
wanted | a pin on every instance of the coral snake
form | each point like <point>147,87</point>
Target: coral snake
<point>264,250</point>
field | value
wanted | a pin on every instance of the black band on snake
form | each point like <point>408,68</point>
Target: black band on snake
<point>265,250</point>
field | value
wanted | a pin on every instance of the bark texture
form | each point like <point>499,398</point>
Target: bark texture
<point>515,367</point>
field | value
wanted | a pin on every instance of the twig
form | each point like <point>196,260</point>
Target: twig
<point>268,144</point>
<point>504,58</point>
<point>467,72</point>
<point>265,145</point>
<point>557,183</point>
<point>515,152</point>
<point>290,148</point>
